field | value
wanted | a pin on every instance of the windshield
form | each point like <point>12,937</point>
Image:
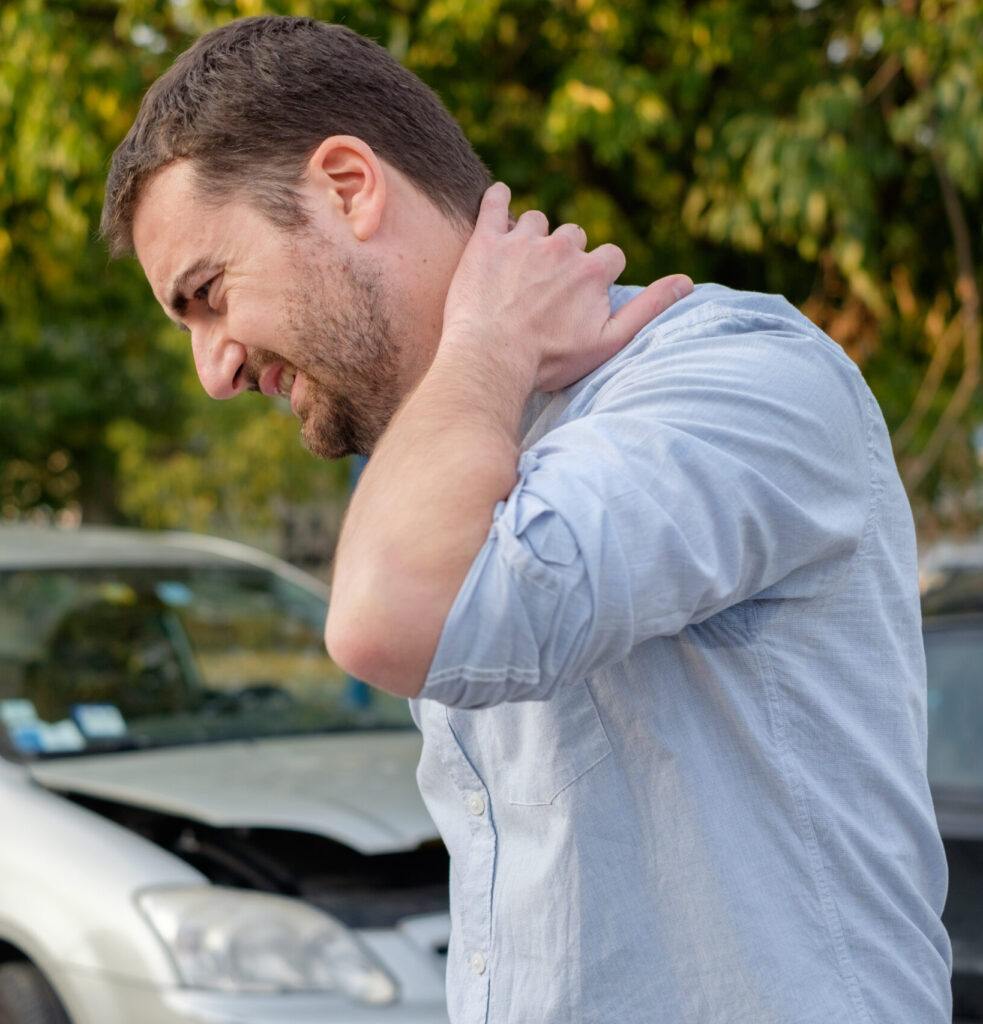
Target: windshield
<point>109,659</point>
<point>954,657</point>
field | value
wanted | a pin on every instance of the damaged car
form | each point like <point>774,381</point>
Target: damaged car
<point>203,818</point>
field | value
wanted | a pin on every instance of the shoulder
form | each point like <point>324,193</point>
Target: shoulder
<point>713,311</point>
<point>742,374</point>
<point>751,344</point>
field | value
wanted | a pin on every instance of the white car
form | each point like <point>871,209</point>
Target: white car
<point>201,818</point>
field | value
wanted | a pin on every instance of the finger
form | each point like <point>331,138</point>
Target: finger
<point>533,222</point>
<point>493,214</point>
<point>574,232</point>
<point>612,258</point>
<point>647,305</point>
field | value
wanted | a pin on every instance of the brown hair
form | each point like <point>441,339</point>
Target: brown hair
<point>249,102</point>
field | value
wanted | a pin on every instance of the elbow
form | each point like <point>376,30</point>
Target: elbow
<point>374,654</point>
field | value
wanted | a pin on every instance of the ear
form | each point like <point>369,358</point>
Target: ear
<point>349,176</point>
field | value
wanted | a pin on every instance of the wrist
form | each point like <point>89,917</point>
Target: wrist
<point>486,374</point>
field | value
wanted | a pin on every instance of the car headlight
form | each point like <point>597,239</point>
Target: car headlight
<point>240,941</point>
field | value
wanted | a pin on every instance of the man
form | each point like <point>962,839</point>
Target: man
<point>645,566</point>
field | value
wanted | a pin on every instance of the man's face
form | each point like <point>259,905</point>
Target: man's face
<point>282,312</point>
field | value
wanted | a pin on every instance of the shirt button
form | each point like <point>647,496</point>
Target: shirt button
<point>475,804</point>
<point>477,963</point>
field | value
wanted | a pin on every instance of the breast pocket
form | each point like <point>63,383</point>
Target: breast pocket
<point>533,750</point>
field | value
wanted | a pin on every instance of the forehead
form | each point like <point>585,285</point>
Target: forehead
<point>176,233</point>
<point>168,198</point>
<point>170,223</point>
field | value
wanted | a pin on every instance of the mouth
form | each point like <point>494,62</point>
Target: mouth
<point>277,381</point>
<point>286,382</point>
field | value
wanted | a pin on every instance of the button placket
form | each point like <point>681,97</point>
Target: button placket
<point>476,887</point>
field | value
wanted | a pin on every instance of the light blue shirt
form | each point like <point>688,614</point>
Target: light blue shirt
<point>674,731</point>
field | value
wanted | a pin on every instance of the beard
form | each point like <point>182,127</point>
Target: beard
<point>347,354</point>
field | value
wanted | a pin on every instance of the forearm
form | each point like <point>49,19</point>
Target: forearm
<point>526,310</point>
<point>422,510</point>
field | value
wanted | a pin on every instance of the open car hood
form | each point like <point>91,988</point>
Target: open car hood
<point>356,788</point>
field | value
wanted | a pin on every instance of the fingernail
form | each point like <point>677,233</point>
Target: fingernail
<point>682,288</point>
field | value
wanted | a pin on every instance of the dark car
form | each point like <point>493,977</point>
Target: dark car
<point>952,607</point>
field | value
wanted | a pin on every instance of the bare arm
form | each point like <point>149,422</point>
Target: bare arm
<point>527,310</point>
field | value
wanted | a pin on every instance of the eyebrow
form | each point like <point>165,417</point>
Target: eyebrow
<point>178,297</point>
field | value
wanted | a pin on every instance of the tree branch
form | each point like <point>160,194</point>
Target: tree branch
<point>945,344</point>
<point>968,292</point>
<point>882,78</point>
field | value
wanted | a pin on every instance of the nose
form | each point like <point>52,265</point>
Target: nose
<point>219,361</point>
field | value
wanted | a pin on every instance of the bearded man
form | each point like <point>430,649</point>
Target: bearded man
<point>640,558</point>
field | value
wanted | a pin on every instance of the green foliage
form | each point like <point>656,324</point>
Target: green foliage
<point>97,415</point>
<point>75,352</point>
<point>831,151</point>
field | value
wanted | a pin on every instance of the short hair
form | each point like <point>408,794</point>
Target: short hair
<point>249,103</point>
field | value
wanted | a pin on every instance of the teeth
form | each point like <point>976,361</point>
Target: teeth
<point>287,379</point>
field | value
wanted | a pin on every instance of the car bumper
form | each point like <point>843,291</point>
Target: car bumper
<point>100,999</point>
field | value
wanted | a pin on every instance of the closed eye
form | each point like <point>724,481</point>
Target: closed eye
<point>209,292</point>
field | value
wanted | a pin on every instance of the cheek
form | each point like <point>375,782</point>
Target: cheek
<point>253,319</point>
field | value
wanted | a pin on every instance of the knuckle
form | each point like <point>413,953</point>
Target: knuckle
<point>597,266</point>
<point>534,218</point>
<point>573,234</point>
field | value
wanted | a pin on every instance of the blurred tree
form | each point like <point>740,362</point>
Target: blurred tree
<point>830,151</point>
<point>869,171</point>
<point>75,352</point>
<point>96,414</point>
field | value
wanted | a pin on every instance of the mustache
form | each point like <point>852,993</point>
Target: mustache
<point>256,362</point>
